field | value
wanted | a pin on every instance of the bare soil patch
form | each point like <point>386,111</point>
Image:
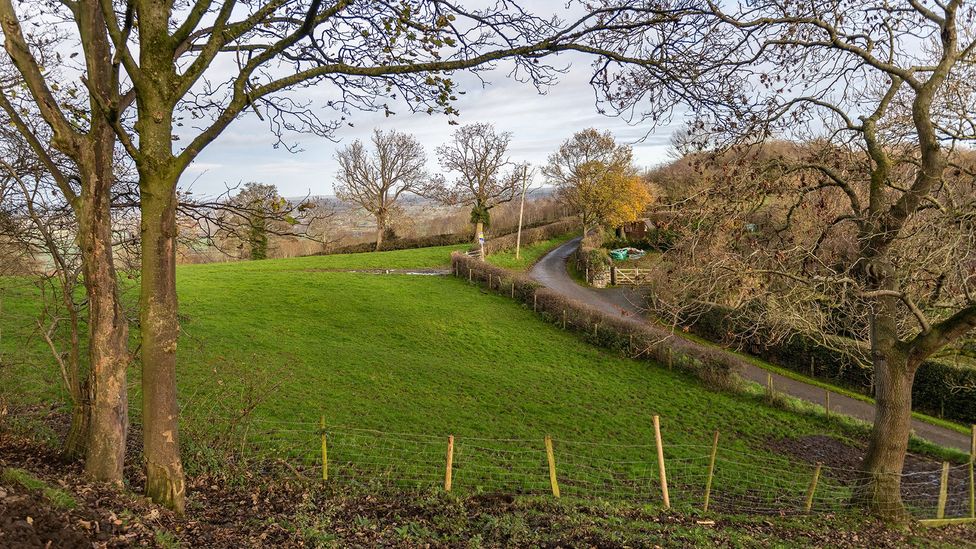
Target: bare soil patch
<point>920,485</point>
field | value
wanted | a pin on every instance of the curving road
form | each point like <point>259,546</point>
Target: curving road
<point>627,303</point>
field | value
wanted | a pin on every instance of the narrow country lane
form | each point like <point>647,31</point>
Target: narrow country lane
<point>626,303</point>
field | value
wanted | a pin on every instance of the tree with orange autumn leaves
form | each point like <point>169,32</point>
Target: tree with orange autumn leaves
<point>597,179</point>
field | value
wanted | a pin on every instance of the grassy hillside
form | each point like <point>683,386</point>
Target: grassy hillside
<point>296,339</point>
<point>529,254</point>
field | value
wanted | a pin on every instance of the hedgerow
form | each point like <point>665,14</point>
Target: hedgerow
<point>637,340</point>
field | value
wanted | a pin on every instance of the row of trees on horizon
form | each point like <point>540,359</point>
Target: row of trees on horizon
<point>592,174</point>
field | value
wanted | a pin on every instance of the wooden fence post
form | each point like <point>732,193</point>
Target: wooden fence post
<point>711,472</point>
<point>325,450</point>
<point>813,487</point>
<point>513,288</point>
<point>596,327</point>
<point>660,462</point>
<point>972,484</point>
<point>564,319</point>
<point>535,302</point>
<point>551,457</point>
<point>943,490</point>
<point>450,463</point>
<point>827,403</point>
<point>469,273</point>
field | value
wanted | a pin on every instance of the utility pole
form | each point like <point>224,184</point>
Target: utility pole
<point>518,235</point>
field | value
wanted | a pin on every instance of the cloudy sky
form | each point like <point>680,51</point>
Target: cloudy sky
<point>538,123</point>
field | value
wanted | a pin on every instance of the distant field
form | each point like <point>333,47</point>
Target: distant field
<point>435,356</point>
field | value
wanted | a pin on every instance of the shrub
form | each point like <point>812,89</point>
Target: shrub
<point>403,244</point>
<point>530,234</point>
<point>593,260</point>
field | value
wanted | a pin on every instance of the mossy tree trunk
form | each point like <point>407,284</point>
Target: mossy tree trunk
<point>160,330</point>
<point>159,172</point>
<point>879,488</point>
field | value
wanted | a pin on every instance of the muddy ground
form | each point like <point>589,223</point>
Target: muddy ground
<point>921,475</point>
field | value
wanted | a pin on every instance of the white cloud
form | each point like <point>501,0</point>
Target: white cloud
<point>203,167</point>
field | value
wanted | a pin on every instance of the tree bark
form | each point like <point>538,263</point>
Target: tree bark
<point>107,397</point>
<point>380,228</point>
<point>879,488</point>
<point>159,171</point>
<point>479,231</point>
<point>76,442</point>
<point>160,330</point>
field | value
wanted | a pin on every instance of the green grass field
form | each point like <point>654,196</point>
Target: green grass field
<point>396,363</point>
<point>529,254</point>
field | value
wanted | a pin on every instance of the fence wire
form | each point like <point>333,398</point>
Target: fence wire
<point>743,481</point>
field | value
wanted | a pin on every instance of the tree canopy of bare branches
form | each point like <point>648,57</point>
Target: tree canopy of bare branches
<point>375,180</point>
<point>165,79</point>
<point>486,177</point>
<point>870,226</point>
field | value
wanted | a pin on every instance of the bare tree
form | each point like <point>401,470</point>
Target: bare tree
<point>486,176</point>
<point>884,93</point>
<point>375,181</point>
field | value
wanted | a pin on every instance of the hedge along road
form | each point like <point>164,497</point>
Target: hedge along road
<point>551,271</point>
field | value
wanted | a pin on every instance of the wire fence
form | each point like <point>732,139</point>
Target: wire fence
<point>713,475</point>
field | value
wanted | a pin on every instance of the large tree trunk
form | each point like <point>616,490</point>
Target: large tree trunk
<point>380,229</point>
<point>108,351</point>
<point>879,489</point>
<point>159,172</point>
<point>160,330</point>
<point>479,232</point>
